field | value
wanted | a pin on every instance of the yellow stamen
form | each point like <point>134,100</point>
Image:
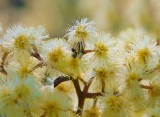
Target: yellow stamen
<point>81,32</point>
<point>21,42</point>
<point>55,55</point>
<point>100,49</point>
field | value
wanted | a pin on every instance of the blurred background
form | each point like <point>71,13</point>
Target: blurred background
<point>111,16</point>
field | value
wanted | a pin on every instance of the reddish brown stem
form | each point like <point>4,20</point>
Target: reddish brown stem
<point>41,64</point>
<point>87,85</point>
<point>93,95</point>
<point>2,70</point>
<point>81,99</point>
<point>82,95</point>
<point>88,51</point>
<point>36,54</point>
<point>145,87</point>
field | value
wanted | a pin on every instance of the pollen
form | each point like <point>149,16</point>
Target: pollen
<point>62,88</point>
<point>21,91</point>
<point>93,112</point>
<point>74,63</point>
<point>101,73</point>
<point>131,78</point>
<point>21,42</point>
<point>142,53</point>
<point>49,106</point>
<point>114,103</point>
<point>100,49</point>
<point>23,71</point>
<point>5,92</point>
<point>81,32</point>
<point>154,90</point>
<point>55,55</point>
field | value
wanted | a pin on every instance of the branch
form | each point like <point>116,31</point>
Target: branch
<point>77,87</point>
<point>86,87</point>
<point>93,95</point>
<point>83,81</point>
<point>82,95</point>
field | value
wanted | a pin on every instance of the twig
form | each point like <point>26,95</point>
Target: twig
<point>146,87</point>
<point>87,51</point>
<point>2,70</point>
<point>36,54</point>
<point>83,94</point>
<point>41,64</point>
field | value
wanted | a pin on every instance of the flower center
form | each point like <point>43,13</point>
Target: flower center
<point>114,103</point>
<point>101,73</point>
<point>142,53</point>
<point>55,55</point>
<point>81,32</point>
<point>100,49</point>
<point>21,42</point>
<point>74,63</point>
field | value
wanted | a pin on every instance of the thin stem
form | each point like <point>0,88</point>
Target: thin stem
<point>95,102</point>
<point>103,86</point>
<point>146,87</point>
<point>85,90</point>
<point>41,64</point>
<point>2,70</point>
<point>83,81</point>
<point>88,51</point>
<point>93,95</point>
<point>4,57</point>
<point>36,54</point>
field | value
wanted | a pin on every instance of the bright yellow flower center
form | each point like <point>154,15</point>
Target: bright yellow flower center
<point>154,90</point>
<point>81,32</point>
<point>21,91</point>
<point>74,63</point>
<point>49,106</point>
<point>142,53</point>
<point>93,112</point>
<point>55,55</point>
<point>131,79</point>
<point>23,71</point>
<point>101,73</point>
<point>21,42</point>
<point>62,88</point>
<point>114,103</point>
<point>100,49</point>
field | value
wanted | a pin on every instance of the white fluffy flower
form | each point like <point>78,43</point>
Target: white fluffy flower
<point>56,52</point>
<point>17,94</point>
<point>127,37</point>
<point>19,40</point>
<point>114,105</point>
<point>104,50</point>
<point>144,48</point>
<point>22,37</point>
<point>83,30</point>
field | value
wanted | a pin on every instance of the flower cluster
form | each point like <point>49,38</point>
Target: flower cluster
<point>85,74</point>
